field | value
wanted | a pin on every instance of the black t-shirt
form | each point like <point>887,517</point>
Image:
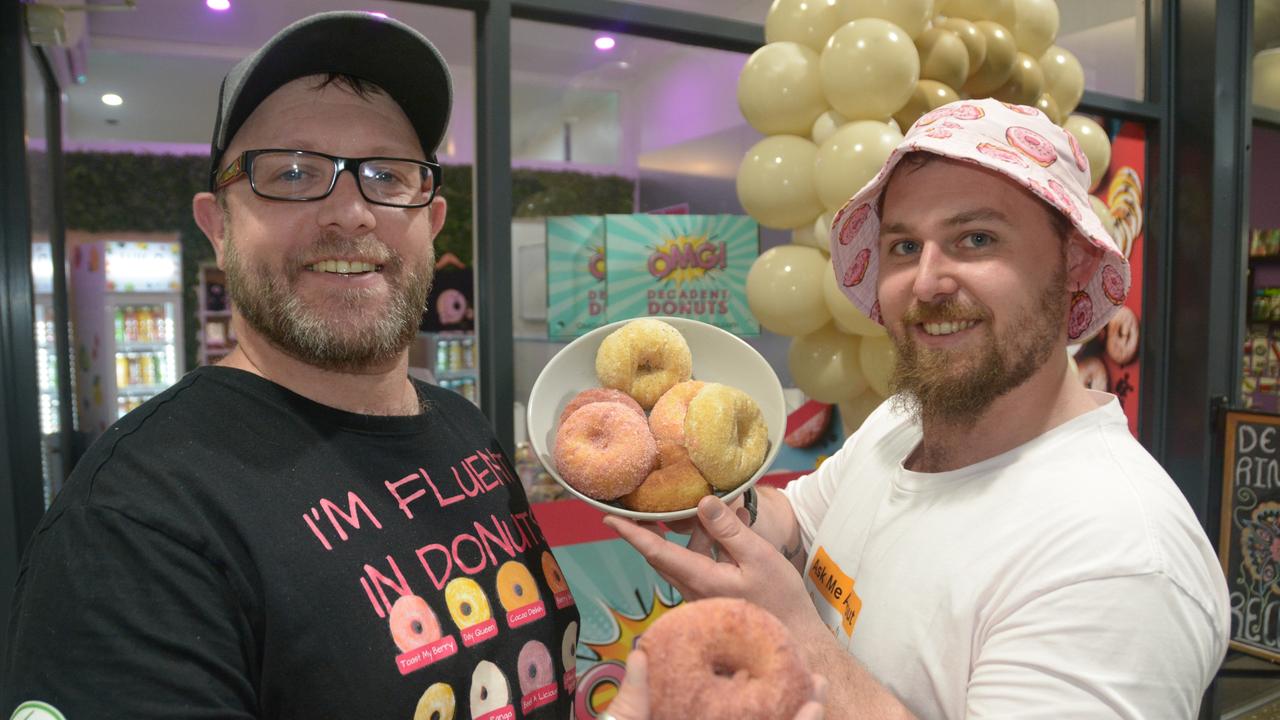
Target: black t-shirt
<point>234,550</point>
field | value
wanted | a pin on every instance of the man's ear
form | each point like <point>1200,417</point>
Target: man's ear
<point>211,219</point>
<point>437,209</point>
<point>1083,259</point>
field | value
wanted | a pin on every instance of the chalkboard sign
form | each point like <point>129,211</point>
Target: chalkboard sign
<point>1250,547</point>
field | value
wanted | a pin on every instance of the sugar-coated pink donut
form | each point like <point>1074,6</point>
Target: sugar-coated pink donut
<point>666,420</point>
<point>604,450</point>
<point>723,659</point>
<point>599,395</point>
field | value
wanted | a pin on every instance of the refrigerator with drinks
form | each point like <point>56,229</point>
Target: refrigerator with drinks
<point>128,325</point>
<point>47,368</point>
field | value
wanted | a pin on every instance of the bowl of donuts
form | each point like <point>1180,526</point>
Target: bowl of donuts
<point>643,418</point>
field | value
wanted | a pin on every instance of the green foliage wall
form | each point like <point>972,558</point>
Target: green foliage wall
<point>117,192</point>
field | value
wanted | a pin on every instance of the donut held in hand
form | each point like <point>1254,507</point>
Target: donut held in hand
<point>586,397</point>
<point>644,358</point>
<point>726,435</point>
<point>723,659</point>
<point>604,450</point>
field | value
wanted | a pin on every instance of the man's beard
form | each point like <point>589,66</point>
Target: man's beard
<point>342,341</point>
<point>957,387</point>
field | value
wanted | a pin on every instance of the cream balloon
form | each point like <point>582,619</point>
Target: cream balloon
<point>910,15</point>
<point>1001,11</point>
<point>848,318</point>
<point>826,124</point>
<point>854,412</point>
<point>824,364</point>
<point>876,357</point>
<point>1095,144</point>
<point>1101,210</point>
<point>1063,78</point>
<point>1266,79</point>
<point>784,291</point>
<point>929,94</point>
<point>943,57</point>
<point>775,182</point>
<point>805,236</point>
<point>869,69</point>
<point>808,22</point>
<point>850,158</point>
<point>1035,25</point>
<point>822,230</point>
<point>1026,84</point>
<point>974,41</point>
<point>1002,53</point>
<point>1049,107</point>
<point>780,90</point>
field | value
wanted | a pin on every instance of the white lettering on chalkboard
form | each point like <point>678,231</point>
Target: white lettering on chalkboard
<point>1260,470</point>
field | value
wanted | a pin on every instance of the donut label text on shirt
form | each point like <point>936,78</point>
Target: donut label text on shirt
<point>425,655</point>
<point>836,588</point>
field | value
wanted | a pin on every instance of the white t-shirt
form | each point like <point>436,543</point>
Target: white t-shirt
<point>1066,578</point>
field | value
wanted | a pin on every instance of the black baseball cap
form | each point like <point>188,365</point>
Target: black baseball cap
<point>363,45</point>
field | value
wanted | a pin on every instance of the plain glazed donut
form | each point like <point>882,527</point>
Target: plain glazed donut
<point>723,659</point>
<point>644,359</point>
<point>605,450</point>
<point>726,435</point>
<point>587,397</point>
<point>667,419</point>
<point>489,689</point>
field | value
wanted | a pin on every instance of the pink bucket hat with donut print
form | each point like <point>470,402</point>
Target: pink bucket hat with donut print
<point>1022,144</point>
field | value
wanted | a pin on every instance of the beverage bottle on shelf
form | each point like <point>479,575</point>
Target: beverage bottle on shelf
<point>135,369</point>
<point>144,324</point>
<point>158,324</point>
<point>119,323</point>
<point>130,324</point>
<point>455,355</point>
<point>159,365</point>
<point>442,356</point>
<point>122,370</point>
<point>146,363</point>
<point>469,353</point>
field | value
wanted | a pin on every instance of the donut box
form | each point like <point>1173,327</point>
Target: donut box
<point>718,356</point>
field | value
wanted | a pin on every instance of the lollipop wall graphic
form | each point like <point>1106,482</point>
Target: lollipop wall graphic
<point>833,89</point>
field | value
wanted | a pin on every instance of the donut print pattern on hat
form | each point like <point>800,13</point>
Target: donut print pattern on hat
<point>1022,144</point>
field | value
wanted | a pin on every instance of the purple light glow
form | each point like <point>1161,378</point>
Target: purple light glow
<point>219,5</point>
<point>605,43</point>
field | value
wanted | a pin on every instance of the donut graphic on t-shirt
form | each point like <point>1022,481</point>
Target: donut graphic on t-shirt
<point>489,689</point>
<point>516,587</point>
<point>437,703</point>
<point>536,670</point>
<point>412,623</point>
<point>467,603</point>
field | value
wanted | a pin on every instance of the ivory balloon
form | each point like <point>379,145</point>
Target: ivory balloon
<point>854,412</point>
<point>1063,78</point>
<point>1095,144</point>
<point>808,22</point>
<point>822,230</point>
<point>974,41</point>
<point>943,57</point>
<point>824,364</point>
<point>775,182</point>
<point>850,158</point>
<point>1001,11</point>
<point>876,356</point>
<point>780,90</point>
<point>806,237</point>
<point>1035,25</point>
<point>929,94</point>
<point>869,69</point>
<point>998,67</point>
<point>848,318</point>
<point>1049,107</point>
<point>910,15</point>
<point>1104,215</point>
<point>1026,85</point>
<point>784,291</point>
<point>827,123</point>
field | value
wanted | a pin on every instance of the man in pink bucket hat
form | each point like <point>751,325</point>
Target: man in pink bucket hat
<point>992,541</point>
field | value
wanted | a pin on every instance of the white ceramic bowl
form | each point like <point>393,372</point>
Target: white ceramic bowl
<point>718,356</point>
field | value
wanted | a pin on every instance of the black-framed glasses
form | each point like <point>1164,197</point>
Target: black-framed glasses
<point>302,175</point>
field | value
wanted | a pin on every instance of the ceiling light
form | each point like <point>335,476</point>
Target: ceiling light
<point>604,42</point>
<point>219,5</point>
<point>112,99</point>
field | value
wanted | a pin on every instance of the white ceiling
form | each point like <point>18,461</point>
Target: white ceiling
<point>167,57</point>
